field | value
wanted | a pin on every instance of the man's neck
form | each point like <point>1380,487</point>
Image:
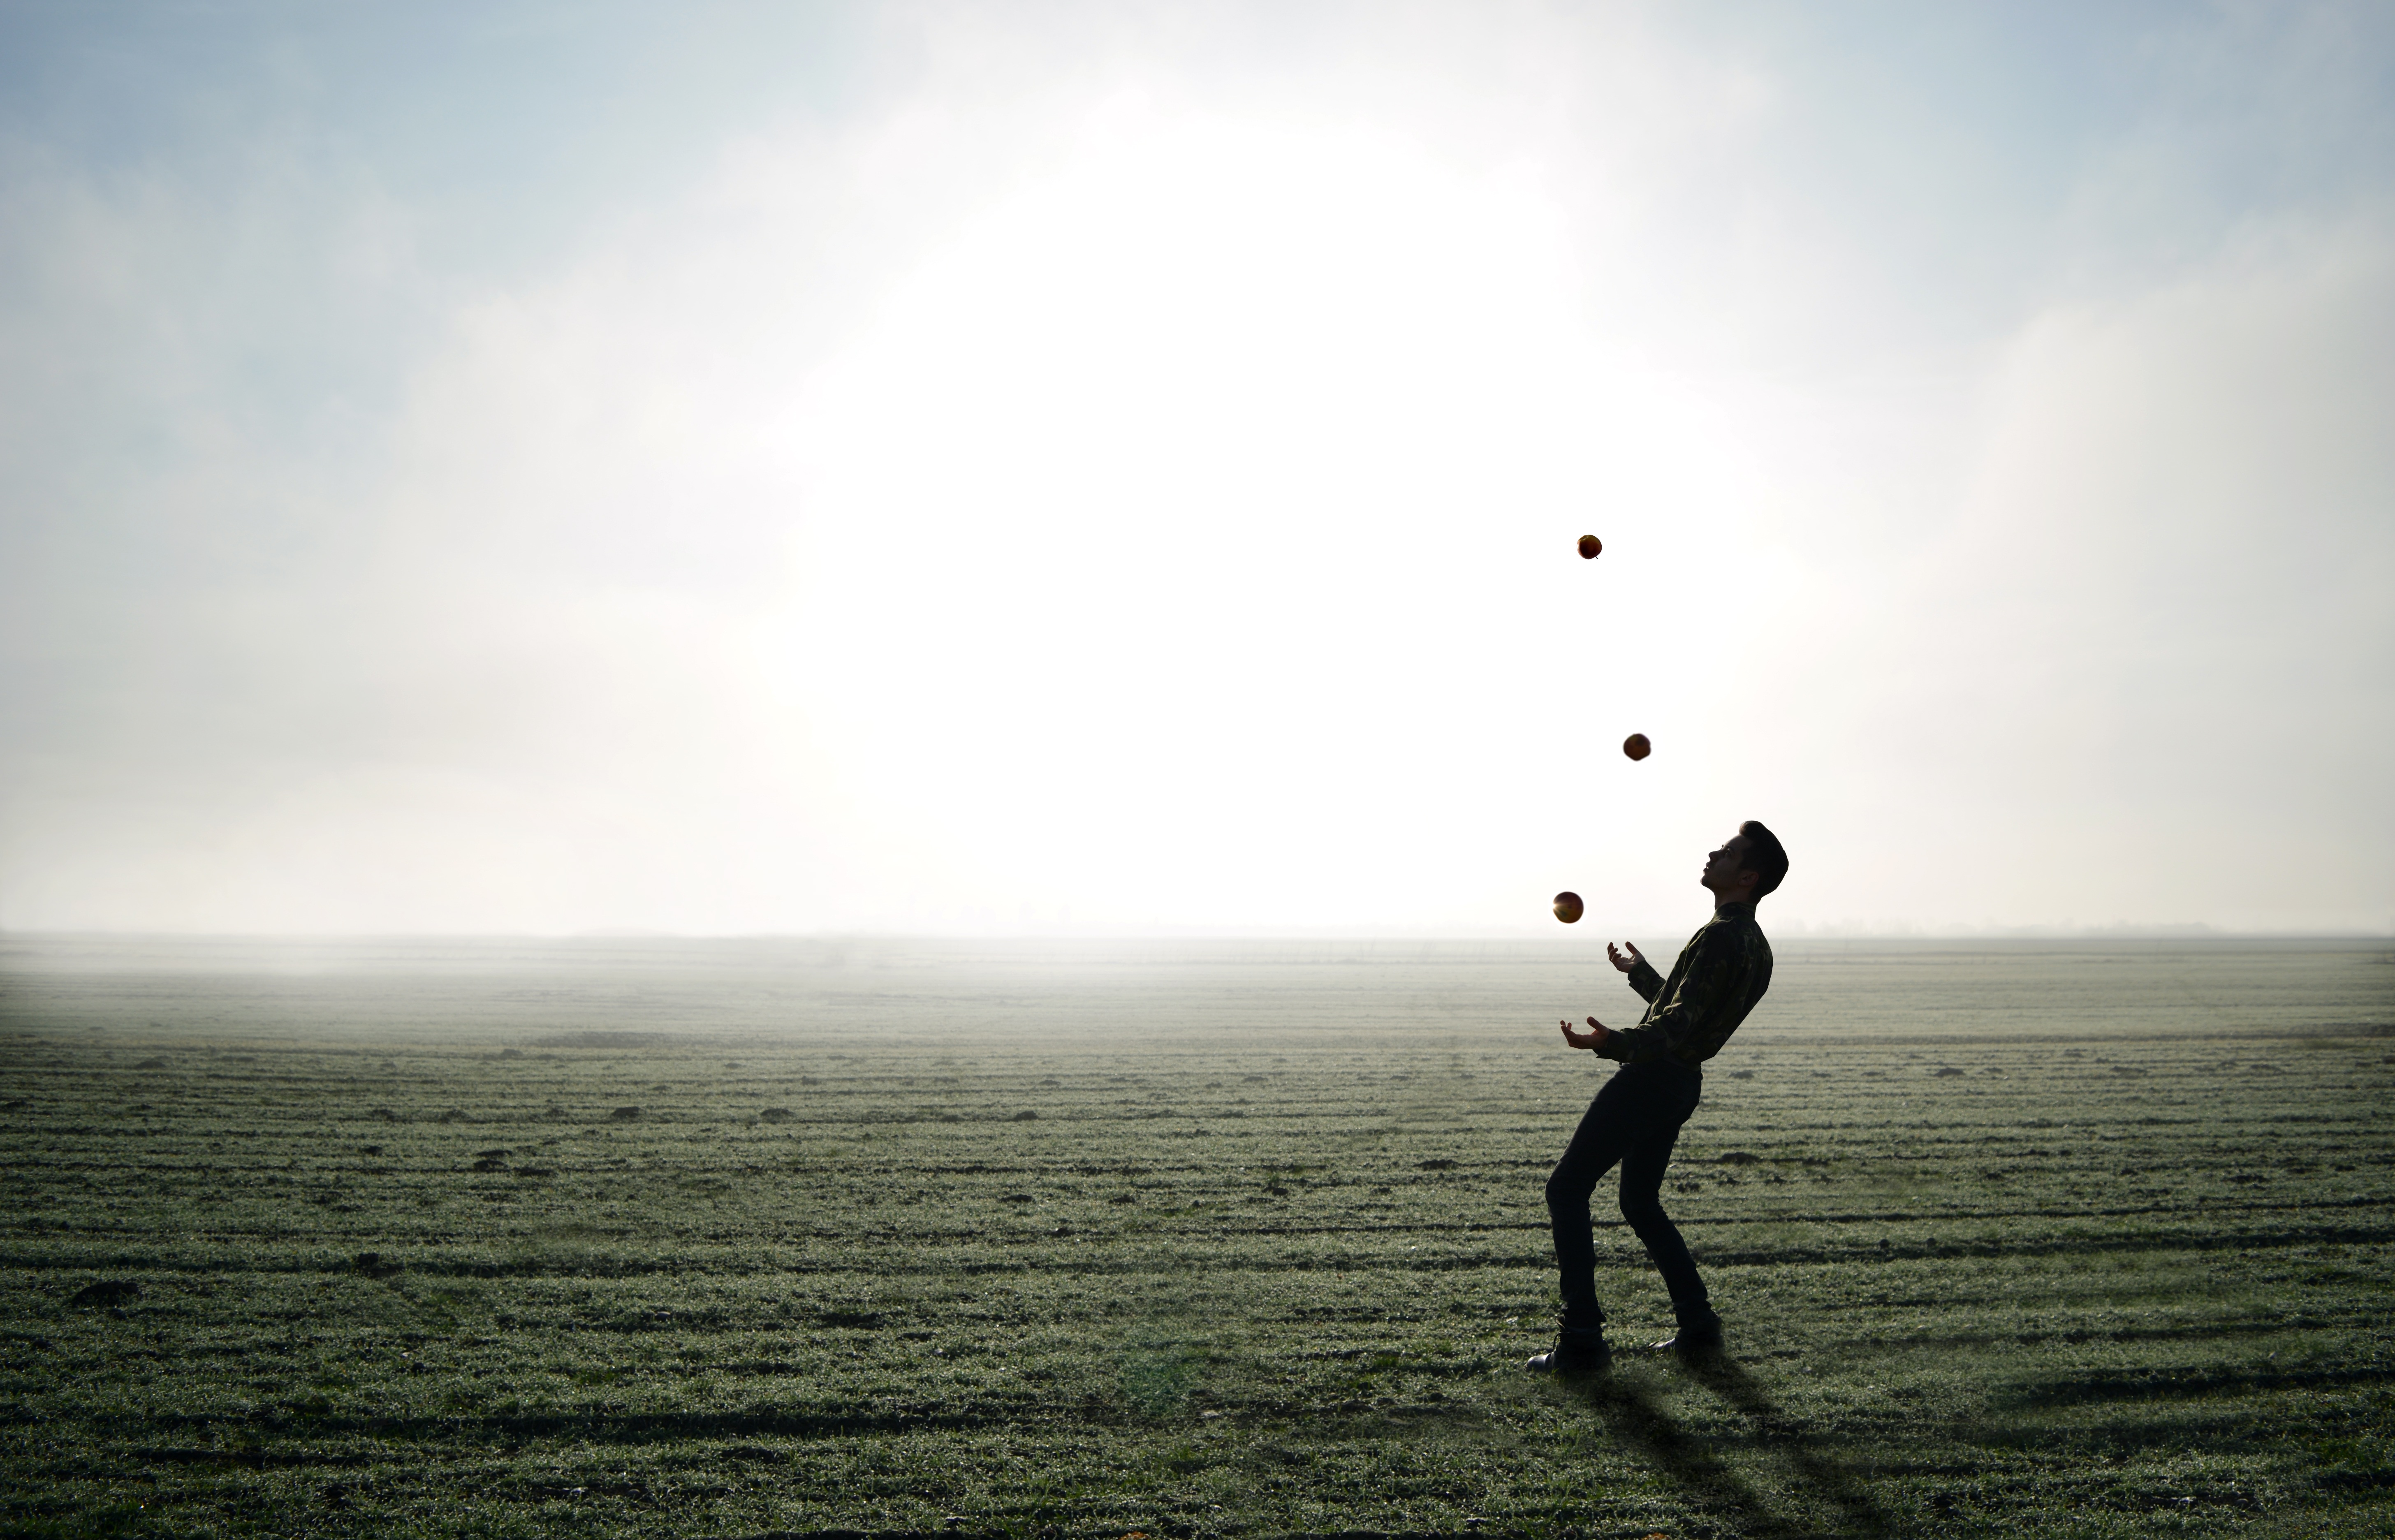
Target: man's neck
<point>1733,909</point>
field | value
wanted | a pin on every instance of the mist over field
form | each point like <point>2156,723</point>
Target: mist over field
<point>925,469</point>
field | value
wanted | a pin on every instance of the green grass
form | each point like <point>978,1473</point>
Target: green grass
<point>1264,1259</point>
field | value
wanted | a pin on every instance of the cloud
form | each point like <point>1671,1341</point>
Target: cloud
<point>1129,481</point>
<point>2145,672</point>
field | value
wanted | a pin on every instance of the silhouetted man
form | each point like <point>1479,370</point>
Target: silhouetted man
<point>1720,975</point>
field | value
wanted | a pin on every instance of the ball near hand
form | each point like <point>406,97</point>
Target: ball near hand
<point>1567,908</point>
<point>1636,745</point>
<point>1589,546</point>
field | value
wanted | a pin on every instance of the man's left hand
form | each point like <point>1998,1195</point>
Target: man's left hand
<point>1590,1039</point>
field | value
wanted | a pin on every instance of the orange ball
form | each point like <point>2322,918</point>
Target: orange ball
<point>1567,908</point>
<point>1636,745</point>
<point>1589,546</point>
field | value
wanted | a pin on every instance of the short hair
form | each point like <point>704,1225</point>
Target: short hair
<point>1765,857</point>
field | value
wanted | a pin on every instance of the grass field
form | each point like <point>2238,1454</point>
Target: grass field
<point>1204,1239</point>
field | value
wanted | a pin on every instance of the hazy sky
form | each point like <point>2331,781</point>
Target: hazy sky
<point>993,467</point>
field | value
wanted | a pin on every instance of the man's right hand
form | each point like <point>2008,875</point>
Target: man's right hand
<point>1624,964</point>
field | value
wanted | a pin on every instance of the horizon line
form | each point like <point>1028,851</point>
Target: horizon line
<point>1801,932</point>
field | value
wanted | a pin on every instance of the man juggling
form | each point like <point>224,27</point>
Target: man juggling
<point>1720,975</point>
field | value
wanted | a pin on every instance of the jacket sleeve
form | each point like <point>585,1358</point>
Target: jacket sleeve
<point>1646,981</point>
<point>1707,988</point>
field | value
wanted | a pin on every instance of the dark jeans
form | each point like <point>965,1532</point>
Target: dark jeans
<point>1632,1120</point>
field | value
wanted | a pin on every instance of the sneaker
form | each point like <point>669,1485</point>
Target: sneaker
<point>1578,1350</point>
<point>1694,1339</point>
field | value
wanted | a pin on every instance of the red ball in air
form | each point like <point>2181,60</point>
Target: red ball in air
<point>1636,745</point>
<point>1567,908</point>
<point>1589,546</point>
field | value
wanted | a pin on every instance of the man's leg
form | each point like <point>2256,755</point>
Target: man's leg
<point>1596,1147</point>
<point>1605,1135</point>
<point>1643,1165</point>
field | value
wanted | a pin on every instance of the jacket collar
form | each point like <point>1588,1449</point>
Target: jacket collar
<point>1733,912</point>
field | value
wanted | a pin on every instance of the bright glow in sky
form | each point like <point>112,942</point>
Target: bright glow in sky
<point>957,469</point>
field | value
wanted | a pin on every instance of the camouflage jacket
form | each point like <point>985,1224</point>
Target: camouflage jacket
<point>1720,975</point>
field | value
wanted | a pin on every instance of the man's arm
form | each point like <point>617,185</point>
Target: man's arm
<point>1643,977</point>
<point>1707,988</point>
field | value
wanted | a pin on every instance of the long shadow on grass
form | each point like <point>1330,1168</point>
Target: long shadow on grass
<point>1639,1423</point>
<point>1821,1471</point>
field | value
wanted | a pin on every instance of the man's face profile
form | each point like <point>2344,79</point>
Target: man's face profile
<point>1726,865</point>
